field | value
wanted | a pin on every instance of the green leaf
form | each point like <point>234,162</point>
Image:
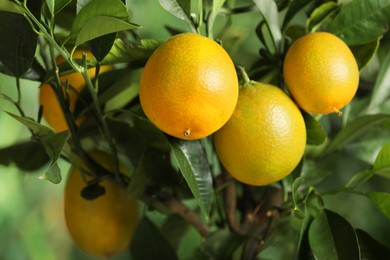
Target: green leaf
<point>333,237</point>
<point>28,155</point>
<point>60,4</point>
<point>193,164</point>
<point>102,45</point>
<point>362,21</point>
<point>37,128</point>
<point>216,7</point>
<point>382,201</point>
<point>365,52</point>
<point>100,17</point>
<point>174,228</point>
<point>18,40</point>
<point>8,6</point>
<point>293,9</point>
<point>296,195</point>
<point>370,248</point>
<point>221,244</point>
<point>149,243</point>
<point>303,248</point>
<point>381,89</point>
<point>125,52</point>
<point>320,15</point>
<point>269,10</point>
<point>355,129</point>
<point>101,25</point>
<point>53,144</point>
<point>382,162</point>
<point>180,9</point>
<point>316,134</point>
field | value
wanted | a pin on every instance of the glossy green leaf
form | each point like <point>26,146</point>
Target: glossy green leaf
<point>362,21</point>
<point>100,17</point>
<point>269,11</point>
<point>382,162</point>
<point>381,89</point>
<point>18,40</point>
<point>382,201</point>
<point>149,243</point>
<point>129,52</point>
<point>333,237</point>
<point>28,155</point>
<point>355,129</point>
<point>180,9</point>
<point>101,25</point>
<point>364,53</point>
<point>316,134</point>
<point>195,169</point>
<point>320,15</point>
<point>370,248</point>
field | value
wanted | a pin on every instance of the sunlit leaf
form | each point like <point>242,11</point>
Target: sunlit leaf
<point>8,6</point>
<point>180,9</point>
<point>100,17</point>
<point>332,237</point>
<point>101,25</point>
<point>193,164</point>
<point>320,15</point>
<point>382,201</point>
<point>362,21</point>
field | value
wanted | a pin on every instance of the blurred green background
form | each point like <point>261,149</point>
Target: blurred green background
<point>31,213</point>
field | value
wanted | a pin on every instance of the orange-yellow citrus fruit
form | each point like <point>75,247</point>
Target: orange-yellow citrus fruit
<point>103,226</point>
<point>321,73</point>
<point>265,138</point>
<point>189,86</point>
<point>52,112</point>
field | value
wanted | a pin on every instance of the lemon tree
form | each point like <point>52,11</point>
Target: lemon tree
<point>244,129</point>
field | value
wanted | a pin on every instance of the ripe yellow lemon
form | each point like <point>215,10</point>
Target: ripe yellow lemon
<point>103,226</point>
<point>189,86</point>
<point>52,111</point>
<point>321,73</point>
<point>265,138</point>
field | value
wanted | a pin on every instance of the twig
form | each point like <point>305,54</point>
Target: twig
<point>187,214</point>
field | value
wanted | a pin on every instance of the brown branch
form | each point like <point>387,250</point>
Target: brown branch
<point>187,214</point>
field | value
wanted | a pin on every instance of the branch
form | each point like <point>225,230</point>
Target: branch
<point>187,214</point>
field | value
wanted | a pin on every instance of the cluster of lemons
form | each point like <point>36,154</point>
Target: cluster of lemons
<point>189,89</point>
